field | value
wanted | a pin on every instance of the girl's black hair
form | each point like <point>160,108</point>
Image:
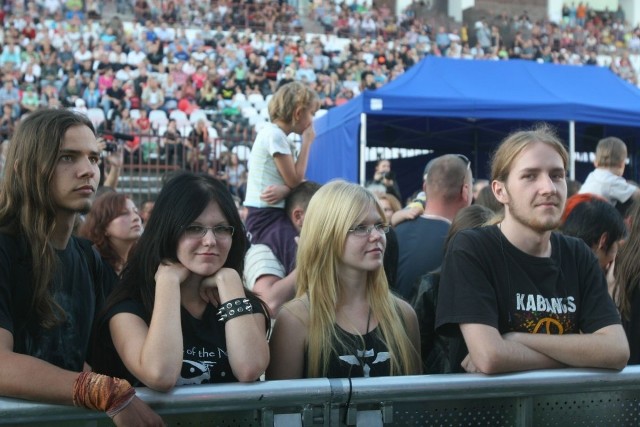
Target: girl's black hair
<point>181,201</point>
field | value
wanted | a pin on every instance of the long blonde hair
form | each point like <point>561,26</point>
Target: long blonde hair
<point>335,208</point>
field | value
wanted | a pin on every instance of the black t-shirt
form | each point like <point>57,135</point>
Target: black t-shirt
<point>487,280</point>
<point>356,360</point>
<point>67,344</point>
<point>421,244</point>
<point>118,94</point>
<point>205,359</point>
<point>391,258</point>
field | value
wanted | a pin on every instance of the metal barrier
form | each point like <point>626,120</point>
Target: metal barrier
<point>570,397</point>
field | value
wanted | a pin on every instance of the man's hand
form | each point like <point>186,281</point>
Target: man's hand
<point>115,158</point>
<point>137,413</point>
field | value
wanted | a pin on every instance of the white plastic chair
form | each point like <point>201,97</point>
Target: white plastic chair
<point>239,97</point>
<point>197,115</point>
<point>242,151</point>
<point>158,118</point>
<point>134,114</point>
<point>255,98</point>
<point>213,132</point>
<point>96,115</point>
<point>249,111</point>
<point>179,116</point>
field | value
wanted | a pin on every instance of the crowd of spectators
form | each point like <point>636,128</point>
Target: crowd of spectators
<point>188,56</point>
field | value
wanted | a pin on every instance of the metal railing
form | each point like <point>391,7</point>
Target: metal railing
<point>570,397</point>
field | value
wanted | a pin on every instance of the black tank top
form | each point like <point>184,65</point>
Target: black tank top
<point>354,360</point>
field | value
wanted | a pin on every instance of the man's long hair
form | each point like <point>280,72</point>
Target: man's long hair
<point>27,210</point>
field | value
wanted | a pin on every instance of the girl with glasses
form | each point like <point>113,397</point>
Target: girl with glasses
<point>344,321</point>
<point>180,314</point>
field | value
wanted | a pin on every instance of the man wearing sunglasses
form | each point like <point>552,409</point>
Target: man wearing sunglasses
<point>448,186</point>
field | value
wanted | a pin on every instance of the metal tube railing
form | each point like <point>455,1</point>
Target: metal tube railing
<point>518,391</point>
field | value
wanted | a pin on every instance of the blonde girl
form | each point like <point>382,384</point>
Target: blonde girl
<point>344,321</point>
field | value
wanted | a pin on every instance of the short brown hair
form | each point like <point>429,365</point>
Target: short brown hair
<point>442,176</point>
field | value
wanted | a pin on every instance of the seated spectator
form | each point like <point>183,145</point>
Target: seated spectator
<point>9,95</point>
<point>7,122</point>
<point>29,101</point>
<point>344,321</point>
<point>91,95</point>
<point>172,144</point>
<point>124,124</point>
<point>439,353</point>
<point>70,92</point>
<point>182,290</point>
<point>236,176</point>
<point>201,148</point>
<point>113,225</point>
<point>142,127</point>
<point>207,97</point>
<point>49,97</point>
<point>152,96</point>
<point>114,97</point>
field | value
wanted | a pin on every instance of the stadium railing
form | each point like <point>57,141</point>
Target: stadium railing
<point>566,397</point>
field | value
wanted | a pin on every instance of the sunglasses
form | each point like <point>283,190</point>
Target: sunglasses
<point>465,159</point>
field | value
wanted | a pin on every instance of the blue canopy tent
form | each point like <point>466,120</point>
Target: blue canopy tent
<point>458,106</point>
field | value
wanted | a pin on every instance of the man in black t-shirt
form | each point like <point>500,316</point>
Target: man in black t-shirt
<point>114,97</point>
<point>523,296</point>
<point>51,283</point>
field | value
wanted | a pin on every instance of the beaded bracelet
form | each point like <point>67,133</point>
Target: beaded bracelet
<point>234,308</point>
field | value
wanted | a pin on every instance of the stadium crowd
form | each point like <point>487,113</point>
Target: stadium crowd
<point>188,293</point>
<point>187,56</point>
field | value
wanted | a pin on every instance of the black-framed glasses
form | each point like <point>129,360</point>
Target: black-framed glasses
<point>199,231</point>
<point>365,230</point>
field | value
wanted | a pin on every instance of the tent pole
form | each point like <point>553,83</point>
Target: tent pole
<point>572,149</point>
<point>363,147</point>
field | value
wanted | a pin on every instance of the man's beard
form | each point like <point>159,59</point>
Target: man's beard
<point>537,224</point>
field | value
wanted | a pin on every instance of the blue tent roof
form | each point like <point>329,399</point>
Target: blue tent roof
<point>451,105</point>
